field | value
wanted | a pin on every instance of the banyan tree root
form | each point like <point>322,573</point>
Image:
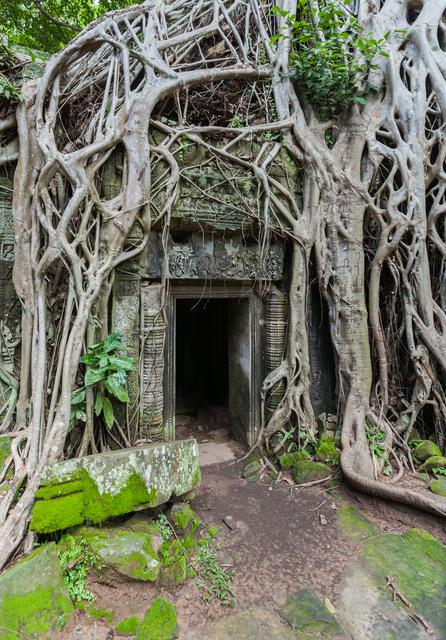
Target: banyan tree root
<point>371,210</point>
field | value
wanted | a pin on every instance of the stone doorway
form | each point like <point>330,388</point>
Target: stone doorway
<point>214,361</point>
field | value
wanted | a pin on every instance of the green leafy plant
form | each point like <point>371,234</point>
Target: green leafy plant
<point>216,582</point>
<point>439,471</point>
<point>237,122</point>
<point>165,527</point>
<point>376,439</point>
<point>106,371</point>
<point>75,560</point>
<point>324,56</point>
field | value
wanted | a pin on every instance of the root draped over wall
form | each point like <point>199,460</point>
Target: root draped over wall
<point>372,211</point>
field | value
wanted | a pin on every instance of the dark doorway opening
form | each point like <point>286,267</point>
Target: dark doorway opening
<point>201,363</point>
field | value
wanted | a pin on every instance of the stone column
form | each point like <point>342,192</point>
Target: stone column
<point>152,365</point>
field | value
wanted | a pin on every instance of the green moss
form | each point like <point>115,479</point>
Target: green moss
<point>426,449</point>
<point>304,612</point>
<point>127,626</point>
<point>184,519</point>
<point>59,489</point>
<point>33,614</point>
<point>326,450</point>
<point>57,513</point>
<point>33,599</point>
<point>5,451</point>
<point>417,561</point>
<point>101,614</point>
<point>432,462</point>
<point>100,507</point>
<point>126,552</point>
<point>213,532</point>
<point>354,524</point>
<point>174,573</point>
<point>309,471</point>
<point>289,460</point>
<point>438,486</point>
<point>160,622</point>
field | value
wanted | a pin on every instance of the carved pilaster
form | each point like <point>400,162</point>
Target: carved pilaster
<point>152,366</point>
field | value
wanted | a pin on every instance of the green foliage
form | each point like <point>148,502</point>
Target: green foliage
<point>216,582</point>
<point>127,626</point>
<point>376,439</point>
<point>440,471</point>
<point>164,526</point>
<point>106,371</point>
<point>330,54</point>
<point>75,561</point>
<point>48,25</point>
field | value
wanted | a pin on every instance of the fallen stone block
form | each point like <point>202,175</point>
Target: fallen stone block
<point>94,488</point>
<point>34,601</point>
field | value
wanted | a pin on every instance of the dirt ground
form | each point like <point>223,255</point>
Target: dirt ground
<point>276,547</point>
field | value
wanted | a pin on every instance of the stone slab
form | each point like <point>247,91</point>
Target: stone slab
<point>94,488</point>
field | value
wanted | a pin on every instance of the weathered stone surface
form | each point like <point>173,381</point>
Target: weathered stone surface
<point>416,561</point>
<point>160,622</point>
<point>354,524</point>
<point>305,612</point>
<point>130,554</point>
<point>426,449</point>
<point>438,486</point>
<point>252,624</point>
<point>309,471</point>
<point>94,488</point>
<point>33,599</point>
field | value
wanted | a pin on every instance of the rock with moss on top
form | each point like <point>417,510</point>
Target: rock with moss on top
<point>309,471</point>
<point>160,622</point>
<point>434,462</point>
<point>426,449</point>
<point>34,601</point>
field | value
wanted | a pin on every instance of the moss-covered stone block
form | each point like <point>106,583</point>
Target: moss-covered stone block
<point>309,471</point>
<point>434,462</point>
<point>289,460</point>
<point>438,486</point>
<point>160,622</point>
<point>305,613</point>
<point>95,488</point>
<point>34,601</point>
<point>127,626</point>
<point>127,553</point>
<point>426,449</point>
<point>327,451</point>
<point>184,519</point>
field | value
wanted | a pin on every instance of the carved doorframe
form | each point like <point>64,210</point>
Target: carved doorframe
<point>231,291</point>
